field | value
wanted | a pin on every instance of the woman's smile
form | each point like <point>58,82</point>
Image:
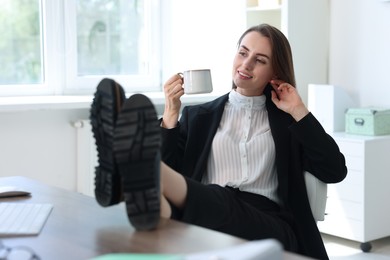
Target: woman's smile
<point>243,75</point>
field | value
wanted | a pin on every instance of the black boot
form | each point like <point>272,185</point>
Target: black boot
<point>107,103</point>
<point>137,142</point>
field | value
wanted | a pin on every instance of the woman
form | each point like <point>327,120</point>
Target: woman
<point>234,164</point>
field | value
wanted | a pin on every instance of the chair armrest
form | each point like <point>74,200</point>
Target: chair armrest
<point>317,194</point>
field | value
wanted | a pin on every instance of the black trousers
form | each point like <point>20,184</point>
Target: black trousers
<point>242,214</point>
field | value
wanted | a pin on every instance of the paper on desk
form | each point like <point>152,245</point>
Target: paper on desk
<point>254,250</point>
<point>130,256</point>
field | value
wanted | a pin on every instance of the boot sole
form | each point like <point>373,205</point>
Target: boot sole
<point>137,153</point>
<point>107,102</point>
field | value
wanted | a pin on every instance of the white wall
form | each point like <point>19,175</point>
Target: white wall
<point>202,34</point>
<point>40,144</point>
<point>359,58</point>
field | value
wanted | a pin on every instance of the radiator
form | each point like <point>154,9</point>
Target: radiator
<point>86,157</point>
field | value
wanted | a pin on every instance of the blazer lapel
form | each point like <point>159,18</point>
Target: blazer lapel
<point>279,122</point>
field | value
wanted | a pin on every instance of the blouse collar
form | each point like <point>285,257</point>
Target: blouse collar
<point>241,101</point>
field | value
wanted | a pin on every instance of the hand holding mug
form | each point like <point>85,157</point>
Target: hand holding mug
<point>173,90</point>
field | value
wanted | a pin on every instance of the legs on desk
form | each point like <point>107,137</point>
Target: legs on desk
<point>152,189</point>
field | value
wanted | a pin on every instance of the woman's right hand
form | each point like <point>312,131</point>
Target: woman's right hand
<point>173,90</point>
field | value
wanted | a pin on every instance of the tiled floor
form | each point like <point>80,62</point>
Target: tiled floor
<point>342,249</point>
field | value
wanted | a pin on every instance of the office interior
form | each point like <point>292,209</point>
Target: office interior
<point>39,138</point>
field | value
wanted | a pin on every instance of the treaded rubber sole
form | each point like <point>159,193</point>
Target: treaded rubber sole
<point>137,153</point>
<point>107,102</point>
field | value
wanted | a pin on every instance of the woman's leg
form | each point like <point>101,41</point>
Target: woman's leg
<point>238,213</point>
<point>223,209</point>
<point>173,189</point>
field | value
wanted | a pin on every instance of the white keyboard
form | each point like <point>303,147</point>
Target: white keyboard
<point>23,218</point>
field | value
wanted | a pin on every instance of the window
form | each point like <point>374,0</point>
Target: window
<point>68,46</point>
<point>20,42</point>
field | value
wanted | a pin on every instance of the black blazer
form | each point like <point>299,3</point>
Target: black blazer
<point>300,146</point>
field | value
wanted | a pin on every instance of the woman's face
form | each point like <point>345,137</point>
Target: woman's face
<point>252,68</point>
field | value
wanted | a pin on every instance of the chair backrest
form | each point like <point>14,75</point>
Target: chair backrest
<point>317,193</point>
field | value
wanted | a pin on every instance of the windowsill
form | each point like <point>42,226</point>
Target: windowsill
<point>28,103</point>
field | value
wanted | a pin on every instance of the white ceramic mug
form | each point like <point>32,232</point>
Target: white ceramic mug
<point>197,81</point>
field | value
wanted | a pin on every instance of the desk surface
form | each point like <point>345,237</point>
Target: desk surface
<point>78,228</point>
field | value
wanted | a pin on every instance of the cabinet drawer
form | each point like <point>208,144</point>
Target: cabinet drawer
<point>353,183</point>
<point>355,149</point>
<point>338,208</point>
<point>354,163</point>
<point>351,188</point>
<point>342,191</point>
<point>353,177</point>
<point>342,227</point>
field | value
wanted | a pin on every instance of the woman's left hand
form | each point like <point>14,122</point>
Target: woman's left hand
<point>286,98</point>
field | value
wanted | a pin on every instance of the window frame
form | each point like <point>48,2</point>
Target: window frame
<point>81,84</point>
<point>59,56</point>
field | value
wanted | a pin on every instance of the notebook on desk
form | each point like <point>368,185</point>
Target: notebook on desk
<point>23,219</point>
<point>253,250</point>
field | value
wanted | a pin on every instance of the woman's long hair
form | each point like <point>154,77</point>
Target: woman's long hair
<point>282,61</point>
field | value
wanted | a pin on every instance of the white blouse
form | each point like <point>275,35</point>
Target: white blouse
<point>243,150</point>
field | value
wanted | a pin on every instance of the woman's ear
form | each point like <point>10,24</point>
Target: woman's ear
<point>273,77</point>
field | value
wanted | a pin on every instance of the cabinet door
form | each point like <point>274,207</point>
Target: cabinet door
<point>265,11</point>
<point>351,189</point>
<point>306,24</point>
<point>345,204</point>
<point>357,207</point>
<point>342,227</point>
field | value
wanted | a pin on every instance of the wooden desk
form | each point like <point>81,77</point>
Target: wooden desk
<point>78,228</point>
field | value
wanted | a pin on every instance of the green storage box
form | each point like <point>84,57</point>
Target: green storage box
<point>367,121</point>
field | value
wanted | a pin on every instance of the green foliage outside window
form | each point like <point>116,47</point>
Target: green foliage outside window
<point>20,42</point>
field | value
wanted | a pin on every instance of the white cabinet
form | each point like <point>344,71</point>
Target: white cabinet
<point>268,11</point>
<point>358,208</point>
<point>306,25</point>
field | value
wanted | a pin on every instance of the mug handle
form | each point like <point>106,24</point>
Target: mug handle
<point>182,76</point>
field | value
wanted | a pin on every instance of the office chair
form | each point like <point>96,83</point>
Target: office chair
<point>317,194</point>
